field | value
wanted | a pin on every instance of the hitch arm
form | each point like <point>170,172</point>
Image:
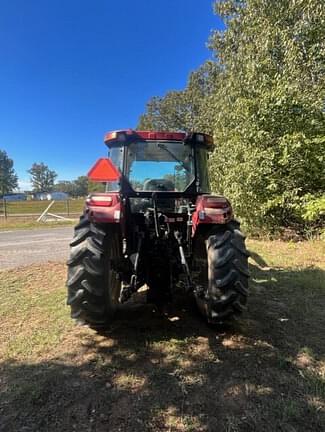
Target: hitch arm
<point>189,282</point>
<point>129,288</point>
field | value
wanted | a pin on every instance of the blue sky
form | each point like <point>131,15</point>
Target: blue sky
<point>71,70</point>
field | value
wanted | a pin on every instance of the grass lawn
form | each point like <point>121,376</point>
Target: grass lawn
<point>31,223</point>
<point>27,208</point>
<point>37,207</point>
<point>266,372</point>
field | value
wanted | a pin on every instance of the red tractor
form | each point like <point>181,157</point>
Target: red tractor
<point>157,225</point>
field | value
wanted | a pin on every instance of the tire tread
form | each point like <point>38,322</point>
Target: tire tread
<point>86,279</point>
<point>227,258</point>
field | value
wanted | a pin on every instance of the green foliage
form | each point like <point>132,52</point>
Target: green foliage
<point>314,208</point>
<point>8,177</point>
<point>183,110</point>
<point>81,186</point>
<point>263,100</point>
<point>75,188</point>
<point>270,128</point>
<point>64,186</point>
<point>96,187</point>
<point>42,178</point>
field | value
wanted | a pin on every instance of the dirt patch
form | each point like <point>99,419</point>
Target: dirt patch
<point>151,373</point>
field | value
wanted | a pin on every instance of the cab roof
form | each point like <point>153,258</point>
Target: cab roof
<point>123,135</point>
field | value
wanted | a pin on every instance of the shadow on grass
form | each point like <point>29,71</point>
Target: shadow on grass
<point>153,374</point>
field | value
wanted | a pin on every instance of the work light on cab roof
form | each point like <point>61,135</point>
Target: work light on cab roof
<point>124,135</point>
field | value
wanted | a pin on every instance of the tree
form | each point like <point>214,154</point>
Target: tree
<point>263,101</point>
<point>269,121</point>
<point>75,188</point>
<point>81,186</point>
<point>165,113</point>
<point>184,110</point>
<point>8,177</point>
<point>96,187</point>
<point>42,177</point>
<point>66,186</point>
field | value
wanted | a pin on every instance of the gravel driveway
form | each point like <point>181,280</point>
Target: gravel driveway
<point>24,247</point>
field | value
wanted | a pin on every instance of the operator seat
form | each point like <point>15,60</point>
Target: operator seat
<point>160,185</point>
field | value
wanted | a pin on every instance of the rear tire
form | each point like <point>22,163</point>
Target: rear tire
<point>223,264</point>
<point>93,287</point>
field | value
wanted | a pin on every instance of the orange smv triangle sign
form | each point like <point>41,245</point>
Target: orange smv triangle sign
<point>104,170</point>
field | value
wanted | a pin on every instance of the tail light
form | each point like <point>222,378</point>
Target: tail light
<point>105,207</point>
<point>213,209</point>
<point>216,203</point>
<point>100,200</point>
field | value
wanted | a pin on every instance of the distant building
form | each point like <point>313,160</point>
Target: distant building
<point>58,196</point>
<point>50,196</point>
<point>41,196</point>
<point>14,197</point>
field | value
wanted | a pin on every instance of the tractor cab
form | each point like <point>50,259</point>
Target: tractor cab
<point>172,163</point>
